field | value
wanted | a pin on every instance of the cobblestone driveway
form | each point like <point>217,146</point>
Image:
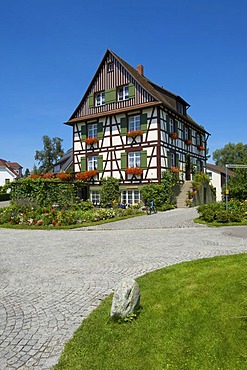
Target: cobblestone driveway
<point>51,280</point>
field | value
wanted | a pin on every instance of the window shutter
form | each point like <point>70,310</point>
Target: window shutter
<point>167,124</point>
<point>124,125</point>
<point>169,160</point>
<point>100,130</point>
<point>90,101</point>
<point>143,159</point>
<point>190,134</point>
<point>177,160</point>
<point>100,163</point>
<point>131,91</point>
<point>123,161</point>
<point>144,122</point>
<point>83,131</point>
<point>110,96</point>
<point>83,164</point>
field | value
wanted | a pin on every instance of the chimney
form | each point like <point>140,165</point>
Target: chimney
<point>140,69</point>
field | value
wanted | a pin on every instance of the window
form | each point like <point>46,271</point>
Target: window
<point>173,160</point>
<point>209,175</point>
<point>95,197</point>
<point>186,133</point>
<point>130,196</point>
<point>134,159</point>
<point>92,163</point>
<point>134,123</point>
<point>110,67</point>
<point>123,93</point>
<point>180,107</point>
<point>99,99</point>
<point>7,181</point>
<point>92,130</point>
<point>171,125</point>
<point>198,139</point>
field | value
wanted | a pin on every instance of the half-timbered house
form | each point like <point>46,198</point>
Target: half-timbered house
<point>128,127</point>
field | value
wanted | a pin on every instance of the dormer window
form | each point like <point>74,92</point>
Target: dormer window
<point>123,93</point>
<point>99,99</point>
<point>180,108</point>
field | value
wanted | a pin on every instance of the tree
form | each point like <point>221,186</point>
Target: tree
<point>109,191</point>
<point>27,172</point>
<point>238,185</point>
<point>231,153</point>
<point>51,153</point>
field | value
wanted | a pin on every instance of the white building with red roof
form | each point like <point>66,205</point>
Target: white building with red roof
<point>9,171</point>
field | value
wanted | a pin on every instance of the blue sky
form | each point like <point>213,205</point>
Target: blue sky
<point>50,50</point>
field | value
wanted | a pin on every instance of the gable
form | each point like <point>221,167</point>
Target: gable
<point>111,75</point>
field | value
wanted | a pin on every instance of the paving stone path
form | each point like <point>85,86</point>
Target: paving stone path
<point>51,280</point>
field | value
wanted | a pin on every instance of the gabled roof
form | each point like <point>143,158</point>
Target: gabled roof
<point>10,166</point>
<point>215,168</point>
<point>159,94</point>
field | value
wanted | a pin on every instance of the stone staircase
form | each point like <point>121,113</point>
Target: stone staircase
<point>182,196</point>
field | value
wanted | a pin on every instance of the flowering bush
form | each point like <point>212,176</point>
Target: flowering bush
<point>63,176</point>
<point>135,133</point>
<point>34,176</point>
<point>48,175</point>
<point>134,171</point>
<point>175,169</point>
<point>91,140</point>
<point>173,135</point>
<point>200,147</point>
<point>82,176</point>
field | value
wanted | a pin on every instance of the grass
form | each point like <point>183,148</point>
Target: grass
<point>193,317</point>
<point>219,224</point>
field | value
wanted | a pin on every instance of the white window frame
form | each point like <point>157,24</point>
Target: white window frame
<point>134,159</point>
<point>95,197</point>
<point>173,159</point>
<point>186,133</point>
<point>123,93</point>
<point>171,125</point>
<point>134,123</point>
<point>92,130</point>
<point>110,67</point>
<point>100,99</point>
<point>130,196</point>
<point>92,163</point>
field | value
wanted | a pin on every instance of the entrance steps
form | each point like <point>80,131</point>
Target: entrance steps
<point>183,195</point>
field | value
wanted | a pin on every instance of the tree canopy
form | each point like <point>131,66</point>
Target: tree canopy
<point>231,153</point>
<point>51,153</point>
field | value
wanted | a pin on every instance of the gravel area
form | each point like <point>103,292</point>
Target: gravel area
<point>51,280</point>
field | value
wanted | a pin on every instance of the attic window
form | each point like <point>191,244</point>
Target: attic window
<point>110,67</point>
<point>99,99</point>
<point>123,93</point>
<point>180,108</point>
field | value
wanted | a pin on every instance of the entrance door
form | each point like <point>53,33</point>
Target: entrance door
<point>187,168</point>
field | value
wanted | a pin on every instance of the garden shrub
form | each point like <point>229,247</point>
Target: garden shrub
<point>222,216</point>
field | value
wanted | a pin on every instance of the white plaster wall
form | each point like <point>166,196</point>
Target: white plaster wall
<point>6,174</point>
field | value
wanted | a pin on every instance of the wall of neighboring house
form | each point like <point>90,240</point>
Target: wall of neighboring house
<point>6,176</point>
<point>215,181</point>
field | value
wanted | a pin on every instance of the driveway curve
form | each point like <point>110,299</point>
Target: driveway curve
<point>51,280</point>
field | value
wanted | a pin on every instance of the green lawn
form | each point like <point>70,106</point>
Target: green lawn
<point>194,316</point>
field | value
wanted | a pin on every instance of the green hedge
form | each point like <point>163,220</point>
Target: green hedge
<point>4,196</point>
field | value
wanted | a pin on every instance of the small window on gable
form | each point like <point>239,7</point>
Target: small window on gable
<point>110,67</point>
<point>99,98</point>
<point>123,93</point>
<point>134,123</point>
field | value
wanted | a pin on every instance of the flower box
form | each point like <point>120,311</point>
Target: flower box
<point>175,169</point>
<point>200,147</point>
<point>173,135</point>
<point>134,134</point>
<point>63,176</point>
<point>134,171</point>
<point>82,176</point>
<point>188,142</point>
<point>91,140</point>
